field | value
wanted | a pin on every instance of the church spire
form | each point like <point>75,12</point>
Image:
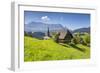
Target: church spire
<point>48,32</point>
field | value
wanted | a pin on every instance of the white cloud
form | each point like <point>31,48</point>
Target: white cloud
<point>45,18</point>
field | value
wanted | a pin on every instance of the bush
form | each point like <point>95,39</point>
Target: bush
<point>86,40</point>
<point>28,34</point>
<point>76,39</point>
<point>81,39</point>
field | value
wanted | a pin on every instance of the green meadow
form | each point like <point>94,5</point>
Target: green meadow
<point>43,50</point>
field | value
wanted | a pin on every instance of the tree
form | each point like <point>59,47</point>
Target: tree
<point>86,40</point>
<point>25,33</point>
<point>76,39</point>
<point>57,37</point>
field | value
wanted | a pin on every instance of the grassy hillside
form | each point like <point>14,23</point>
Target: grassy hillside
<point>41,50</point>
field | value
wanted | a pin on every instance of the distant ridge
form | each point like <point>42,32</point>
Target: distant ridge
<point>81,30</point>
<point>39,26</point>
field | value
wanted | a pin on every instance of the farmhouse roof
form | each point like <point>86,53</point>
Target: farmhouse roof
<point>62,34</point>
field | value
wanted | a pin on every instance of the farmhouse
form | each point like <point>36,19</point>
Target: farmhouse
<point>65,36</point>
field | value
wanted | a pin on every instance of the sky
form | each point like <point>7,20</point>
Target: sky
<point>70,20</point>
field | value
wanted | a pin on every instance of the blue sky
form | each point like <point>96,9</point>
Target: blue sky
<point>69,20</point>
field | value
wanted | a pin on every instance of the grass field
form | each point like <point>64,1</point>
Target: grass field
<point>42,50</point>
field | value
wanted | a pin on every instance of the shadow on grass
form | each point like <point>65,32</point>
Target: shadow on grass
<point>64,45</point>
<point>80,49</point>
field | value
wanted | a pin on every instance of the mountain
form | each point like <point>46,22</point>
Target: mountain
<point>81,30</point>
<point>39,26</point>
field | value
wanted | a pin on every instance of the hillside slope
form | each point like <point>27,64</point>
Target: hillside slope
<point>42,50</point>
